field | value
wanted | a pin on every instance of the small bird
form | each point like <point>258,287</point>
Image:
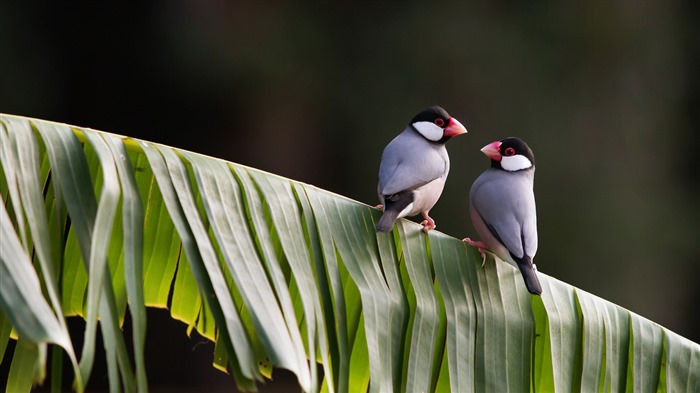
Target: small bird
<point>414,167</point>
<point>502,208</point>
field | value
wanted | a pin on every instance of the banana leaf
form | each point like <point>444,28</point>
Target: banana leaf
<point>282,274</point>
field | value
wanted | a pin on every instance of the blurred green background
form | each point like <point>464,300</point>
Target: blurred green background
<point>607,94</point>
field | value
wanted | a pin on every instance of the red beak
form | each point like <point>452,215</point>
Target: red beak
<point>493,150</point>
<point>454,128</point>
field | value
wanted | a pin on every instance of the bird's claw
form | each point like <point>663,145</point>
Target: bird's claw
<point>427,226</point>
<point>428,223</point>
<point>380,207</point>
<point>481,246</point>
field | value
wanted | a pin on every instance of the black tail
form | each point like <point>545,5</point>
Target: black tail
<point>529,275</point>
<point>393,206</point>
<point>387,220</point>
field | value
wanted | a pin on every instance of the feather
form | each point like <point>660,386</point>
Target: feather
<point>409,161</point>
<point>393,206</point>
<point>529,274</point>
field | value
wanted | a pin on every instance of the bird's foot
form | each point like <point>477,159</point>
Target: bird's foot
<point>481,246</point>
<point>428,223</point>
<point>380,207</point>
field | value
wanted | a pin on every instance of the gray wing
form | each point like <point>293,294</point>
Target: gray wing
<point>506,203</point>
<point>409,161</point>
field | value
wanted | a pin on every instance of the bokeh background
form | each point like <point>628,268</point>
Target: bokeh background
<point>607,94</point>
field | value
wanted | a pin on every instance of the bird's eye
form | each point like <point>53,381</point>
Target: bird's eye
<point>439,122</point>
<point>509,152</point>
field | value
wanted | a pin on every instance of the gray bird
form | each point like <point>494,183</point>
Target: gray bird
<point>502,207</point>
<point>414,167</point>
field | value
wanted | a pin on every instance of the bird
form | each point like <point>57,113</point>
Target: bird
<point>414,167</point>
<point>502,208</point>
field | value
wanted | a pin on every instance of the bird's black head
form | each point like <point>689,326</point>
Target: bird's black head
<point>431,115</point>
<point>436,125</point>
<point>516,146</point>
<point>510,154</point>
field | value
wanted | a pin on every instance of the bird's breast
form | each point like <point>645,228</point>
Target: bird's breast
<point>425,196</point>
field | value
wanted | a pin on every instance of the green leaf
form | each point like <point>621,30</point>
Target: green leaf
<point>281,201</point>
<point>456,277</point>
<point>645,352</point>
<point>220,193</point>
<point>425,321</point>
<point>283,274</point>
<point>331,281</point>
<point>558,350</point>
<point>133,219</point>
<point>352,227</point>
<point>162,245</point>
<point>175,187</point>
<point>681,351</point>
<point>20,288</point>
<point>100,295</point>
<point>25,369</point>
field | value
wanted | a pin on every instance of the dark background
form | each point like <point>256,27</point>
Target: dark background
<point>607,94</point>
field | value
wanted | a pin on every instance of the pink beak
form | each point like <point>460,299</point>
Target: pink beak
<point>493,150</point>
<point>454,128</point>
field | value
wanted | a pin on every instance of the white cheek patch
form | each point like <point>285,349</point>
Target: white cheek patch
<point>429,130</point>
<point>515,163</point>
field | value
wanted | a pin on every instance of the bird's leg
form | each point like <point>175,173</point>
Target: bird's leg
<point>380,207</point>
<point>479,245</point>
<point>428,223</point>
